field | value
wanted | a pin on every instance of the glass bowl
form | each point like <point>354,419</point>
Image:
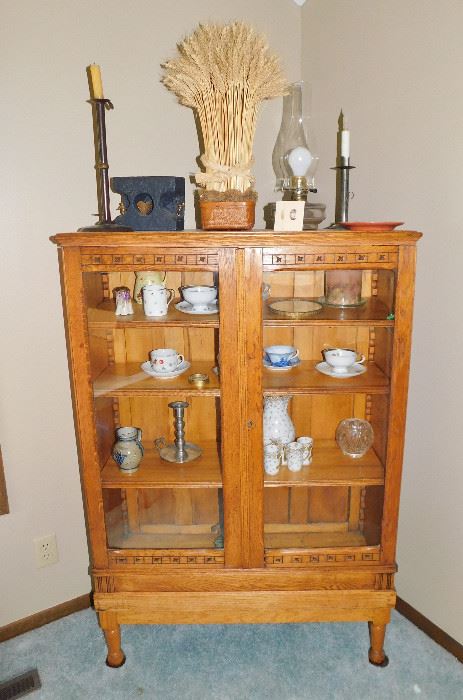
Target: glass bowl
<point>354,437</point>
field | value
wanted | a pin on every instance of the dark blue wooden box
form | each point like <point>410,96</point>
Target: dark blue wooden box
<point>153,203</point>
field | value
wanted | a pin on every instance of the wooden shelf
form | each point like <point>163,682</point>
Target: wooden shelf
<point>298,539</point>
<point>156,473</point>
<point>330,467</point>
<point>128,379</point>
<point>373,313</point>
<point>167,540</point>
<point>305,379</point>
<point>103,316</point>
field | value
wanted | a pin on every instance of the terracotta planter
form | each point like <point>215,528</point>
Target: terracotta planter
<point>227,216</point>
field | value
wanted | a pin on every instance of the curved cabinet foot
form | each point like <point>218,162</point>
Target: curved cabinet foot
<point>116,656</point>
<point>382,664</point>
<point>376,654</point>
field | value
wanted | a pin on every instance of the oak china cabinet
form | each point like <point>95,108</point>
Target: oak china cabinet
<point>216,540</point>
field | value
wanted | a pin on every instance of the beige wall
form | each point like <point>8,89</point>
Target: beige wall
<point>396,67</point>
<point>48,186</point>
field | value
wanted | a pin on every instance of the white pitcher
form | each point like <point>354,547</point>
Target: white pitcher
<point>278,426</point>
<point>143,278</point>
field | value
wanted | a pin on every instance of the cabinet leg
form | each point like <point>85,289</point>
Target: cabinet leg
<point>376,654</point>
<point>112,633</point>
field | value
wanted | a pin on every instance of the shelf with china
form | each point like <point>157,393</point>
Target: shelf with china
<point>100,286</point>
<point>335,501</point>
<point>374,307</point>
<point>334,493</point>
<point>330,467</point>
<point>102,316</point>
<point>305,378</point>
<point>128,379</point>
<point>120,344</point>
<point>163,505</point>
<point>204,472</point>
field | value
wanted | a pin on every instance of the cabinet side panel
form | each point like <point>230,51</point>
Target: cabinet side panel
<point>94,288</point>
<point>398,403</point>
<point>79,365</point>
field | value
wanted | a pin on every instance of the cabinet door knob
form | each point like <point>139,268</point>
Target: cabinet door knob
<point>250,424</point>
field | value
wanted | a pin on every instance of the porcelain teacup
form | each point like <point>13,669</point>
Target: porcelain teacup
<point>295,453</point>
<point>307,443</point>
<point>341,359</point>
<point>199,296</point>
<point>165,359</point>
<point>281,355</point>
<point>272,459</point>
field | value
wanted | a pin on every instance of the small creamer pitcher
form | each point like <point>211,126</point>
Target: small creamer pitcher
<point>156,299</point>
<point>128,450</point>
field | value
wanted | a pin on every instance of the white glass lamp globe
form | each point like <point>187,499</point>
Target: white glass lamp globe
<point>300,160</point>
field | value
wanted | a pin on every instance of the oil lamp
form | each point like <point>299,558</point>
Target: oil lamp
<point>294,157</point>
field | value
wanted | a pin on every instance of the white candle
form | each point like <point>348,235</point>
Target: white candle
<point>345,143</point>
<point>94,80</point>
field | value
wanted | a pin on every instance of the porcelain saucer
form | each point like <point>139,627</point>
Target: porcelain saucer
<point>355,370</point>
<point>146,367</point>
<point>187,308</point>
<point>292,363</point>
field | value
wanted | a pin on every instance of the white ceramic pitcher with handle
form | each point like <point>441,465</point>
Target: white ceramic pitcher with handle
<point>156,299</point>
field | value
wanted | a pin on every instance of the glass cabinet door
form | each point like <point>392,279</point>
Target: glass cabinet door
<point>329,508</point>
<point>173,508</point>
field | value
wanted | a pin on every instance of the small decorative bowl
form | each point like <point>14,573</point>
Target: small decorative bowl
<point>198,379</point>
<point>199,295</point>
<point>354,437</point>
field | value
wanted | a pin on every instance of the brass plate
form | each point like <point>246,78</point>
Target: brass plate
<point>295,308</point>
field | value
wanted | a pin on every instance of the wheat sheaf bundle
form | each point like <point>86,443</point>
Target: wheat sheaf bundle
<point>224,72</point>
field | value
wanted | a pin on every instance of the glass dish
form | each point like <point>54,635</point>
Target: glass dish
<point>295,308</point>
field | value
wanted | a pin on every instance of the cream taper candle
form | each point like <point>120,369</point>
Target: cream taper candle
<point>94,81</point>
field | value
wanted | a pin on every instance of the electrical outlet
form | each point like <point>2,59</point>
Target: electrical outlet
<point>46,550</point>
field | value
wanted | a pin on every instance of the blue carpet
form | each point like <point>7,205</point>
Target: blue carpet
<point>232,662</point>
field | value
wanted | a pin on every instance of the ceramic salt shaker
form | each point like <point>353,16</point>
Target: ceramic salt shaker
<point>123,302</point>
